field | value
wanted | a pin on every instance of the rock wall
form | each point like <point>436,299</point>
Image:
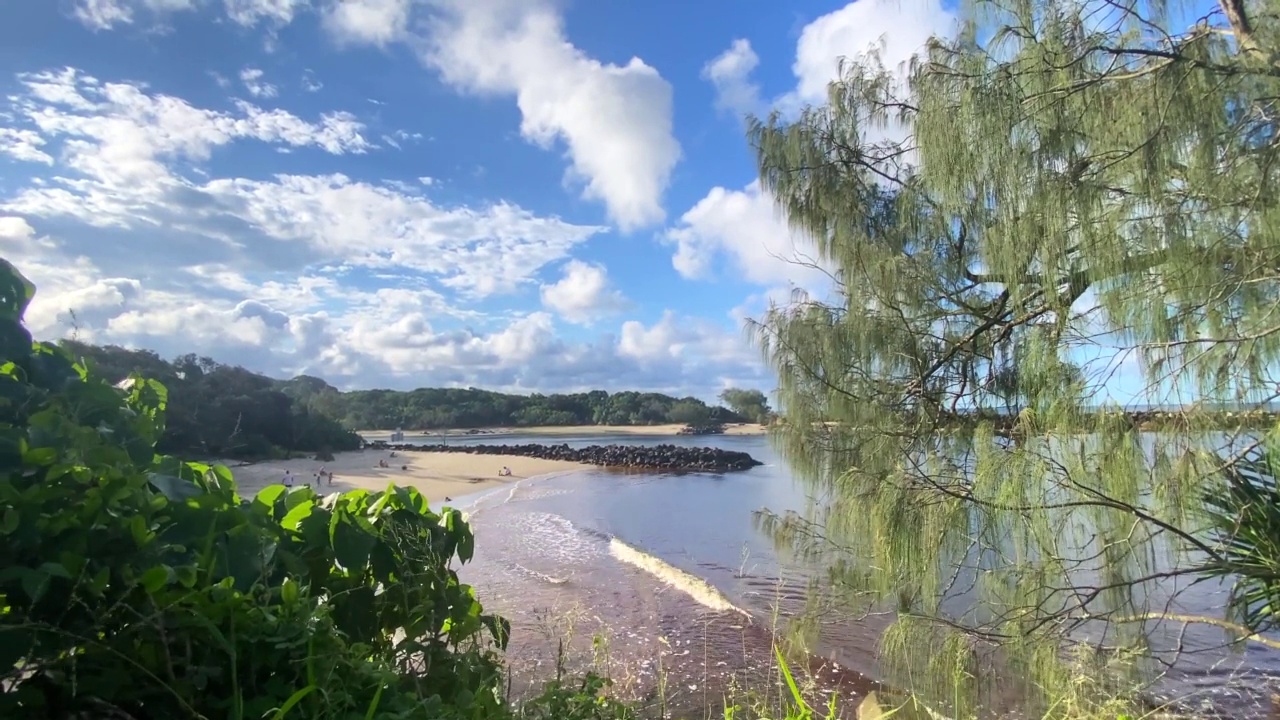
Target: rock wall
<point>648,457</point>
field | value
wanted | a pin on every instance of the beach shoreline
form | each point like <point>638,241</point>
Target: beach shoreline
<point>440,477</point>
<point>668,429</point>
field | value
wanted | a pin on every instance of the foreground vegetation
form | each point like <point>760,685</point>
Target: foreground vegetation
<point>1059,189</point>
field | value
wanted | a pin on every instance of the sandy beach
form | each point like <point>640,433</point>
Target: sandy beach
<point>438,476</point>
<point>554,430</point>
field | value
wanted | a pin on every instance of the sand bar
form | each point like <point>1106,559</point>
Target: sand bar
<point>436,475</point>
<point>554,430</point>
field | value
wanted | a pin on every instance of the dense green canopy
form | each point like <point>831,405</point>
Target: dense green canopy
<point>1058,179</point>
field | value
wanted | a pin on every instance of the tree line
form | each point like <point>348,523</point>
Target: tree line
<point>222,410</point>
<point>218,410</point>
<point>435,408</point>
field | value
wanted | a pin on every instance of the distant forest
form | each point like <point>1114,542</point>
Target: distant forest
<point>226,410</point>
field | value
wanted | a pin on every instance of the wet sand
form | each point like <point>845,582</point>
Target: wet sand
<point>435,475</point>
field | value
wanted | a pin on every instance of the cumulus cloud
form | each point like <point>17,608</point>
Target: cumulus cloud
<point>614,120</point>
<point>730,73</point>
<point>744,225</point>
<point>363,283</point>
<point>256,85</point>
<point>745,228</point>
<point>897,28</point>
<point>369,22</point>
<point>583,295</point>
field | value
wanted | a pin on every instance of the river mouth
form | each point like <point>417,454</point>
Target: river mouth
<point>583,599</point>
<point>662,581</point>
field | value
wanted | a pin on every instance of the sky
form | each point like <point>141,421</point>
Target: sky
<point>524,195</point>
<point>520,195</point>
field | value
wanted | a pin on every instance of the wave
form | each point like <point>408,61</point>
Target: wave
<point>541,576</point>
<point>695,587</point>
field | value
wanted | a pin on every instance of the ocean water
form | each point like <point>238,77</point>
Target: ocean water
<point>670,571</point>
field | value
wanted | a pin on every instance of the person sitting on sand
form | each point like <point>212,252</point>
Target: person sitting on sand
<point>505,472</point>
<point>404,467</point>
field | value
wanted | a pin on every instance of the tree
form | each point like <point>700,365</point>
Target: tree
<point>748,403</point>
<point>1043,186</point>
<point>690,413</point>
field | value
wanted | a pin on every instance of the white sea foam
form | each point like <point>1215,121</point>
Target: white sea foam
<point>695,587</point>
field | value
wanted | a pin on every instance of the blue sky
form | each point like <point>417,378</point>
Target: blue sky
<point>514,194</point>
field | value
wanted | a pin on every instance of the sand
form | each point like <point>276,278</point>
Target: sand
<point>554,430</point>
<point>438,476</point>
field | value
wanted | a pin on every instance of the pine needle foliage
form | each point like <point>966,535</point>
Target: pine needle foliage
<point>1057,179</point>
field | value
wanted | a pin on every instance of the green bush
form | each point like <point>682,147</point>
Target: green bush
<point>133,584</point>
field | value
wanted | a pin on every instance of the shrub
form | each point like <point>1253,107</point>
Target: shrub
<point>137,585</point>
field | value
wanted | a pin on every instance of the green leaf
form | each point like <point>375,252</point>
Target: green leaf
<point>16,292</point>
<point>293,519</point>
<point>156,578</point>
<point>55,570</point>
<point>185,575</point>
<point>34,584</point>
<point>174,488</point>
<point>138,528</point>
<point>289,591</point>
<point>351,544</point>
<point>268,496</point>
<point>100,580</point>
<point>294,699</point>
<point>11,521</point>
<point>40,456</point>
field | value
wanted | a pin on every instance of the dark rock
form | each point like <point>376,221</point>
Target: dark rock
<point>640,457</point>
<point>713,429</point>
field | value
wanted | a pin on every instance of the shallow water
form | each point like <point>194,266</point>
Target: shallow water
<point>670,568</point>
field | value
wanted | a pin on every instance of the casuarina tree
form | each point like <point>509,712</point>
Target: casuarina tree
<point>1058,196</point>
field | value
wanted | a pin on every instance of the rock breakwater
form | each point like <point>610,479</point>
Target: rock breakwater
<point>641,457</point>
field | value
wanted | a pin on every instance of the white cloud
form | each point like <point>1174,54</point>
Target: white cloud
<point>898,28</point>
<point>582,295</point>
<point>22,144</point>
<point>106,14</point>
<point>118,141</point>
<point>121,147</point>
<point>615,121</point>
<point>391,337</point>
<point>368,22</point>
<point>744,227</point>
<point>730,73</point>
<point>257,87</point>
<point>310,83</point>
<point>251,12</point>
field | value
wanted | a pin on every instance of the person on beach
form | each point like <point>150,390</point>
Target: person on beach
<point>288,479</point>
<point>331,478</point>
